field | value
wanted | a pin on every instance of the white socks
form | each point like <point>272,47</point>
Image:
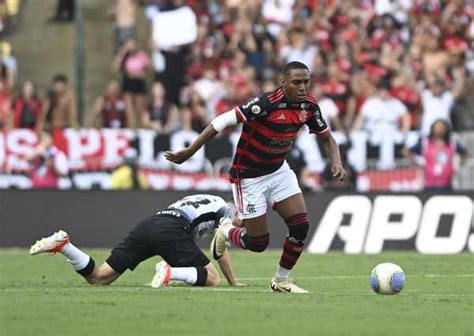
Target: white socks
<point>76,257</point>
<point>282,273</point>
<point>186,274</point>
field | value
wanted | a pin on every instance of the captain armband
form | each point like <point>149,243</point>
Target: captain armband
<point>224,120</point>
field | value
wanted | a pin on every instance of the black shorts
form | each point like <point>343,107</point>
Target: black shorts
<point>134,85</point>
<point>166,236</point>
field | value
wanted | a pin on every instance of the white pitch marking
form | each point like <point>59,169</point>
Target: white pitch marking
<point>367,276</point>
<point>231,290</point>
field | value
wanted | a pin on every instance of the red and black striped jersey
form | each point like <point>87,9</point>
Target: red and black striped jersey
<point>270,126</point>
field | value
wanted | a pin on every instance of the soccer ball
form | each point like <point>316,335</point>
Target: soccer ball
<point>387,278</point>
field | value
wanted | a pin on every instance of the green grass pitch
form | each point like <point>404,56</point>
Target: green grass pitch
<point>42,295</point>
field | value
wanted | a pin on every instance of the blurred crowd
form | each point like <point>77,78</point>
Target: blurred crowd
<point>377,65</point>
<point>413,60</point>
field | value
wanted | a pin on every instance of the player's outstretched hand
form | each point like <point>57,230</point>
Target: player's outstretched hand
<point>339,172</point>
<point>239,284</point>
<point>178,156</point>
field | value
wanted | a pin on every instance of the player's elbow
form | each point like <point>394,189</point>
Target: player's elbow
<point>213,279</point>
<point>101,277</point>
<point>99,281</point>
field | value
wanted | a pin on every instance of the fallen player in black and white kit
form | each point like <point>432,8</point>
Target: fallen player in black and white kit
<point>170,233</point>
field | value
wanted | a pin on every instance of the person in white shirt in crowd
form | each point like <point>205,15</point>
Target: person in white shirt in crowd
<point>383,117</point>
<point>437,102</point>
<point>209,89</point>
<point>278,14</point>
<point>400,9</point>
<point>382,114</point>
<point>298,48</point>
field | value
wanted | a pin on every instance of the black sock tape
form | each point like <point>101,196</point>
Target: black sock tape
<point>86,271</point>
<point>202,276</point>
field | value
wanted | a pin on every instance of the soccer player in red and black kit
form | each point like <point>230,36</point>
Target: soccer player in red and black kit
<point>260,174</point>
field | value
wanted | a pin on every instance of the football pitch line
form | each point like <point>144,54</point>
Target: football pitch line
<point>221,289</point>
<point>342,277</point>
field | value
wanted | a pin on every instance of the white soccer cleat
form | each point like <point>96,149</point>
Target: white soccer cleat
<point>162,276</point>
<point>220,242</point>
<point>286,286</point>
<point>51,244</point>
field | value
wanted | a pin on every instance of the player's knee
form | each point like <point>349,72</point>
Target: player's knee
<point>299,232</point>
<point>258,244</point>
<point>101,276</point>
<point>298,227</point>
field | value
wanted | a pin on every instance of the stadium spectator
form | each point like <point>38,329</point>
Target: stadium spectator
<point>9,13</point>
<point>400,9</point>
<point>133,65</point>
<point>437,100</point>
<point>171,234</point>
<point>171,49</point>
<point>404,89</point>
<point>124,14</point>
<point>230,99</point>
<point>6,98</point>
<point>229,51</point>
<point>161,115</point>
<point>381,114</point>
<point>112,108</point>
<point>277,14</point>
<point>65,10</point>
<point>209,88</point>
<point>328,108</point>
<point>27,108</point>
<point>59,108</point>
<point>48,164</point>
<point>260,174</point>
<point>9,64</point>
<point>337,88</point>
<point>361,88</point>
<point>128,176</point>
<point>194,114</point>
<point>298,48</point>
<point>437,152</point>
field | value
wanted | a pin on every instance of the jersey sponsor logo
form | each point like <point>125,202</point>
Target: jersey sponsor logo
<point>281,142</point>
<point>256,109</point>
<point>281,117</point>
<point>169,213</point>
<point>440,226</point>
<point>282,150</point>
<point>253,101</point>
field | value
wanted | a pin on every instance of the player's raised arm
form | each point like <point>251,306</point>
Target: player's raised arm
<point>217,125</point>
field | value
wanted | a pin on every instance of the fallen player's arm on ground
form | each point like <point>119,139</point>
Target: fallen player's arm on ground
<point>226,268</point>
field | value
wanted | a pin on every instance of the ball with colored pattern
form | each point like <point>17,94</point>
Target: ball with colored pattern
<point>387,278</point>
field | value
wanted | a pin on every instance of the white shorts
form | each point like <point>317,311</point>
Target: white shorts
<point>254,194</point>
